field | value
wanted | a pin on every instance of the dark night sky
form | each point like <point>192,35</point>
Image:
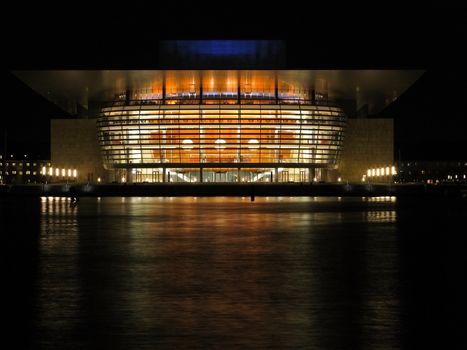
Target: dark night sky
<point>392,35</point>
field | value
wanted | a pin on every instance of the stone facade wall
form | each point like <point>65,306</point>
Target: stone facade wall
<point>368,143</point>
<point>74,145</point>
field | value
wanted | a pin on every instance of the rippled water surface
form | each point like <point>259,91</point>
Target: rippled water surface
<point>285,273</point>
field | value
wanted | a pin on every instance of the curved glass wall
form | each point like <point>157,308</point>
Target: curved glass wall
<point>229,142</point>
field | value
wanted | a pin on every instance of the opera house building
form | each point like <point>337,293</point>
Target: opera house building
<point>201,125</point>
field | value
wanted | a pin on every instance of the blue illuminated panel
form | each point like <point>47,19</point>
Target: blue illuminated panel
<point>222,54</point>
<point>219,47</point>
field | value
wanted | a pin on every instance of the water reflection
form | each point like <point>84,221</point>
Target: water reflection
<point>206,273</point>
<point>58,310</point>
<point>388,216</point>
<point>321,273</point>
<point>217,273</point>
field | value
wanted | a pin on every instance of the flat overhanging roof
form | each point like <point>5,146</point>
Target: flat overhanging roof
<point>377,88</point>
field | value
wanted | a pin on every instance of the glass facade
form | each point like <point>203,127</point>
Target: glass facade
<point>219,133</point>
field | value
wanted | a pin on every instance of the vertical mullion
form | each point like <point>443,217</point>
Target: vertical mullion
<point>299,134</point>
<point>179,134</point>
<point>139,134</point>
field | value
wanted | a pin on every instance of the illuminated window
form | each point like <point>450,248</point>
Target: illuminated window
<point>187,144</point>
<point>220,143</point>
<point>253,144</point>
<point>28,172</point>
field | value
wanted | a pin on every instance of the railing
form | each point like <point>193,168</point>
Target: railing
<point>221,99</point>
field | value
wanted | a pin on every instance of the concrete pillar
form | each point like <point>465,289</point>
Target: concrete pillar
<point>129,175</point>
<point>200,174</point>
<point>324,174</point>
<point>276,174</point>
<point>276,88</point>
<point>163,89</point>
<point>200,76</point>
<point>311,174</point>
<point>164,176</point>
